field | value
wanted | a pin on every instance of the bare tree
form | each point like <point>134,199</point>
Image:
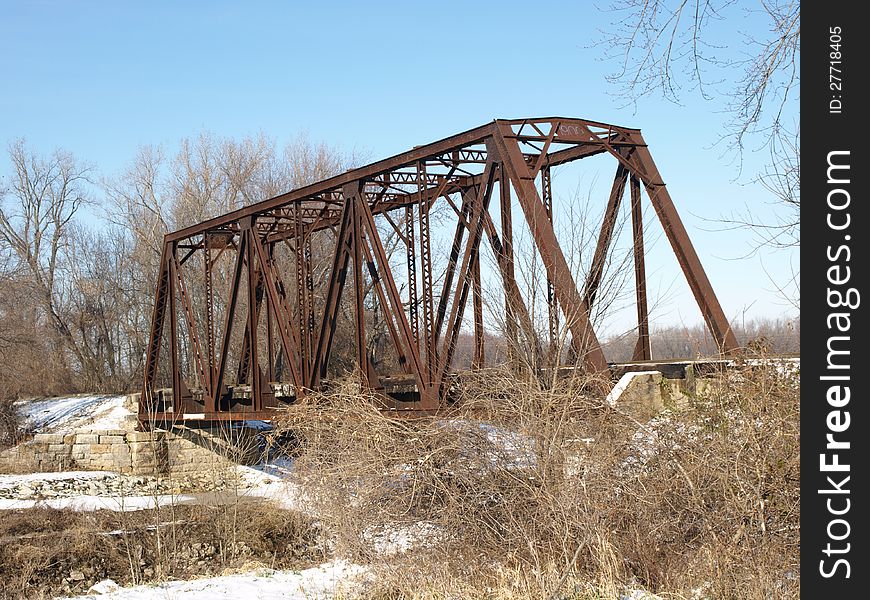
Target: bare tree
<point>36,215</point>
<point>206,177</point>
<point>679,47</point>
<point>102,308</point>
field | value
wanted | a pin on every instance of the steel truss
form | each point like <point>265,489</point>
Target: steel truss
<point>288,333</point>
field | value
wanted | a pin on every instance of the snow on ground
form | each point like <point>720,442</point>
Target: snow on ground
<point>253,484</point>
<point>90,503</point>
<point>75,413</point>
<point>784,366</point>
<point>497,446</point>
<point>7,480</point>
<point>323,582</point>
<point>400,538</point>
<point>261,482</point>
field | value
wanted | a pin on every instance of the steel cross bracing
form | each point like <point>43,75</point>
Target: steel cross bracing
<point>242,319</point>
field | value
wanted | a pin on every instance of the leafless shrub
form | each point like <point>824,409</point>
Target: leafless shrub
<point>42,548</point>
<point>532,492</point>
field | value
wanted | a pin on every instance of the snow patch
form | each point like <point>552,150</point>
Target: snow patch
<point>400,538</point>
<point>103,587</point>
<point>10,480</point>
<point>639,595</point>
<point>72,413</point>
<point>323,582</point>
<point>91,503</point>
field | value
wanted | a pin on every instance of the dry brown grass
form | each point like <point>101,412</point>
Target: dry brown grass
<point>41,547</point>
<point>12,428</point>
<point>522,491</point>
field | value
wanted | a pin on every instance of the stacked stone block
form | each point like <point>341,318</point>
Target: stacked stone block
<point>137,453</point>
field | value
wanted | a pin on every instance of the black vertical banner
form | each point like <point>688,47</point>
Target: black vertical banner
<point>835,425</point>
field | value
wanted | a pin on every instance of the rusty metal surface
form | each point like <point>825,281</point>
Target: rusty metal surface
<point>250,309</point>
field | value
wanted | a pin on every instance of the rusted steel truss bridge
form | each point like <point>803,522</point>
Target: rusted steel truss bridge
<point>273,331</point>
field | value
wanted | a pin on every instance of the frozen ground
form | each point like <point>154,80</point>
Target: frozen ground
<point>76,413</point>
<point>95,490</point>
<point>326,581</point>
<point>98,490</point>
<point>337,579</point>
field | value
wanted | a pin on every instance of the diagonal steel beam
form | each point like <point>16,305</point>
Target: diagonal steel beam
<point>187,307</point>
<point>455,249</point>
<point>608,224</point>
<point>214,401</point>
<point>337,278</point>
<point>152,354</point>
<point>394,310</point>
<point>463,284</point>
<point>583,337</point>
<point>282,312</point>
<point>645,168</point>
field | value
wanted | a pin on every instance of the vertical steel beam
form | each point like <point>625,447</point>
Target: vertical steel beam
<point>426,282</point>
<point>173,331</point>
<point>410,255</point>
<point>642,349</point>
<point>507,244</point>
<point>552,305</point>
<point>479,358</point>
<point>209,310</point>
<point>309,307</point>
<point>353,192</point>
<point>253,319</point>
<point>244,359</point>
<point>270,340</point>
<point>301,288</point>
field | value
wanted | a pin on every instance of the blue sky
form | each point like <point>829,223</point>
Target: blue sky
<point>100,78</point>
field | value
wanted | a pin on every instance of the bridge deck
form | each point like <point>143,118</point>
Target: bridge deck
<point>400,393</point>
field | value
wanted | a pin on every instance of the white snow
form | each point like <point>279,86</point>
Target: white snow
<point>321,582</point>
<point>254,484</point>
<point>783,366</point>
<point>497,446</point>
<point>89,502</point>
<point>11,480</point>
<point>103,587</point>
<point>638,594</point>
<point>400,538</point>
<point>76,413</point>
<point>280,492</point>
